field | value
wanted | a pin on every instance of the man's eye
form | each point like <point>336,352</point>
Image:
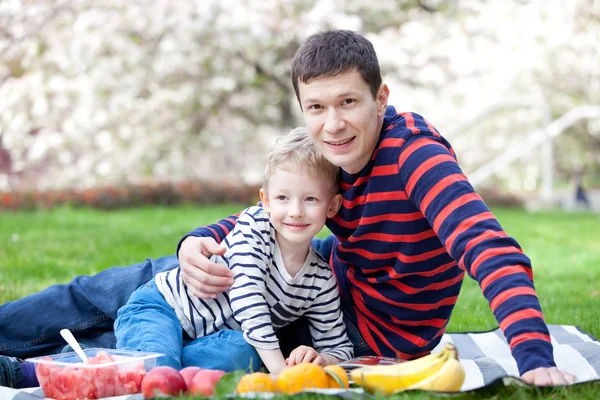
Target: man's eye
<point>348,101</point>
<point>315,107</point>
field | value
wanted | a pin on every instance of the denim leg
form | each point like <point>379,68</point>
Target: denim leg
<point>87,306</point>
<point>148,323</point>
<point>225,350</point>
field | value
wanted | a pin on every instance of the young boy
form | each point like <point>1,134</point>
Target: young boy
<point>278,278</point>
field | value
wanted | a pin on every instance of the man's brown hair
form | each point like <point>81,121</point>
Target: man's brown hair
<point>330,53</point>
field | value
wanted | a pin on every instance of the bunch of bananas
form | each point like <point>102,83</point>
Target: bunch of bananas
<point>439,372</point>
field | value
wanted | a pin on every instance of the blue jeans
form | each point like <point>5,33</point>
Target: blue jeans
<point>148,323</point>
<point>88,305</point>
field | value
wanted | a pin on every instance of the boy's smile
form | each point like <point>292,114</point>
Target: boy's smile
<point>343,118</point>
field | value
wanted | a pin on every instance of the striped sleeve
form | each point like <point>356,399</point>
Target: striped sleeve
<point>216,231</point>
<point>248,256</point>
<point>326,323</point>
<point>471,234</point>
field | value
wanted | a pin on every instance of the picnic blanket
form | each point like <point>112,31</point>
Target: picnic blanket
<point>485,356</point>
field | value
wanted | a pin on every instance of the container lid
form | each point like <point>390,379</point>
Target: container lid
<point>71,358</point>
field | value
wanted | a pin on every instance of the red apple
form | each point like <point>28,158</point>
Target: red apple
<point>188,374</point>
<point>163,380</point>
<point>204,382</point>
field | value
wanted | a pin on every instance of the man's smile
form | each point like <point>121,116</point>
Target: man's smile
<point>340,142</point>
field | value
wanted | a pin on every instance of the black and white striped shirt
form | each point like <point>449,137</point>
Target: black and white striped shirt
<point>264,297</point>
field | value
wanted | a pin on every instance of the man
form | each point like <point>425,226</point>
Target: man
<point>409,227</point>
<point>410,224</point>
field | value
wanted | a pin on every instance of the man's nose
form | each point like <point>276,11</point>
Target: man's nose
<point>334,121</point>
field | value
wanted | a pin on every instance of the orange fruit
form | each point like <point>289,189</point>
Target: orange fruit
<point>255,382</point>
<point>341,374</point>
<point>301,376</point>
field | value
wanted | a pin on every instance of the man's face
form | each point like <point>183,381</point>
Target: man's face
<point>343,118</point>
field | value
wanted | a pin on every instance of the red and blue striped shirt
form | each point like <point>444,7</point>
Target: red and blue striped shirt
<point>409,227</point>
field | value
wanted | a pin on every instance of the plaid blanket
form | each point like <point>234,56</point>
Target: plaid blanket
<point>485,356</point>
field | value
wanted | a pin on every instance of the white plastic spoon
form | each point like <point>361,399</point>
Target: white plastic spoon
<point>70,339</point>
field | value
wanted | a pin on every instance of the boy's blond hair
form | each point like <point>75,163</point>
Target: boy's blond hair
<point>295,149</point>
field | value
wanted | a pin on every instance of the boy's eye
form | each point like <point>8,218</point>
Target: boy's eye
<point>311,198</point>
<point>281,197</point>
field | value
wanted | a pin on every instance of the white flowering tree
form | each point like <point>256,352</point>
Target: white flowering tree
<point>110,91</point>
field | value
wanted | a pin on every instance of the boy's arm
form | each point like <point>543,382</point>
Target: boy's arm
<point>327,327</point>
<point>471,234</point>
<point>273,360</point>
<point>248,257</point>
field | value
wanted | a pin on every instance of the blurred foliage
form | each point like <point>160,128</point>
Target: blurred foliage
<point>108,92</point>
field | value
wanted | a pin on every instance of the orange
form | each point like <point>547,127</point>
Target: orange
<point>340,373</point>
<point>301,376</point>
<point>255,382</point>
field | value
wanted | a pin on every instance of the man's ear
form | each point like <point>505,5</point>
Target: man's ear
<point>382,99</point>
<point>264,199</point>
<point>334,206</point>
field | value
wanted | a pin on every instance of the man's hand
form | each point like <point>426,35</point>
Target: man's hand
<point>204,278</point>
<point>304,354</point>
<point>548,377</point>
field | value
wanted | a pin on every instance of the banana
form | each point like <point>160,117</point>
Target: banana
<point>440,371</point>
<point>448,379</point>
<point>391,378</point>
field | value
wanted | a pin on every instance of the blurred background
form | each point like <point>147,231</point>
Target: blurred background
<point>113,103</point>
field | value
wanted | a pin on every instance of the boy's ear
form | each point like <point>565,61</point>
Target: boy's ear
<point>382,99</point>
<point>334,206</point>
<point>264,199</point>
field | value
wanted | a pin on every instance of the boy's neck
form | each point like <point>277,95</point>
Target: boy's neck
<point>293,255</point>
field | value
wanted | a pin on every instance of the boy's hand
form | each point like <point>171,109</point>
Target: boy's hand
<point>204,278</point>
<point>548,377</point>
<point>304,354</point>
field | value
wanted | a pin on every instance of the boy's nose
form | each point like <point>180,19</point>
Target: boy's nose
<point>296,211</point>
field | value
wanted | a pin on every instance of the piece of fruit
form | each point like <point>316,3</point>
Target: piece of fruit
<point>337,377</point>
<point>204,382</point>
<point>416,374</point>
<point>301,376</point>
<point>448,379</point>
<point>97,380</point>
<point>188,374</point>
<point>255,382</point>
<point>163,380</point>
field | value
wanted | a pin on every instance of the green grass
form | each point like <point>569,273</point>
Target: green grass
<point>41,248</point>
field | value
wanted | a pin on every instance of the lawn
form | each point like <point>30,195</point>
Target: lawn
<point>41,248</point>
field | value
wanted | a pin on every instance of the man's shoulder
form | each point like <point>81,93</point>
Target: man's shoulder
<point>401,128</point>
<point>404,124</point>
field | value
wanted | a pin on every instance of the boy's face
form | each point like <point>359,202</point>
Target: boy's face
<point>343,118</point>
<point>298,204</point>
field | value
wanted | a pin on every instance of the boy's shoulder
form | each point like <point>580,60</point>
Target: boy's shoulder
<point>254,215</point>
<point>317,260</point>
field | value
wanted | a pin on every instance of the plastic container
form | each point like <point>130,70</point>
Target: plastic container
<point>107,373</point>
